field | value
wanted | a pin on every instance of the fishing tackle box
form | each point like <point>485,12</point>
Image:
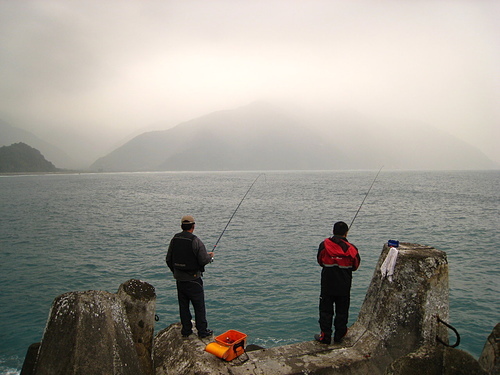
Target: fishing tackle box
<point>228,345</point>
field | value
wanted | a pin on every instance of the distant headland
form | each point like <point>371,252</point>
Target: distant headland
<point>20,157</point>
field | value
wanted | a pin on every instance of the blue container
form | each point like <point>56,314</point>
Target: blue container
<point>393,243</point>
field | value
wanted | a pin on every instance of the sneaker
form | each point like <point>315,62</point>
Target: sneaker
<point>321,338</point>
<point>207,333</point>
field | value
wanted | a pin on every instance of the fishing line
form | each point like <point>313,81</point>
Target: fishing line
<point>368,192</point>
<point>239,204</point>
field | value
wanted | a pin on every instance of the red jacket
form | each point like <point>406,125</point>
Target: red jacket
<point>338,252</point>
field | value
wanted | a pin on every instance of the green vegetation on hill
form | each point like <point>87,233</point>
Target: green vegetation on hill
<point>19,157</point>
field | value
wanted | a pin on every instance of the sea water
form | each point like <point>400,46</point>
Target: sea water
<point>77,232</point>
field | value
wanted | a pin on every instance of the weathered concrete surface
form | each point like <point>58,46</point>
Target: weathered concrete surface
<point>139,299</point>
<point>97,332</point>
<point>402,313</point>
<point>436,360</point>
<point>192,359</point>
<point>490,357</point>
<point>30,359</point>
<point>396,319</point>
<point>174,354</point>
<point>87,333</point>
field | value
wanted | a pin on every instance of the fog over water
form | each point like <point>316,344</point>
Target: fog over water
<point>87,75</point>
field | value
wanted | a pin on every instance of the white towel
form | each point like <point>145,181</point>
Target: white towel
<point>387,267</point>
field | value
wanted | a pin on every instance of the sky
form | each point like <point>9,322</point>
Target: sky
<point>86,72</point>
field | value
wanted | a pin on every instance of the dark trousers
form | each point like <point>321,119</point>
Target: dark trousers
<point>330,306</point>
<point>192,292</point>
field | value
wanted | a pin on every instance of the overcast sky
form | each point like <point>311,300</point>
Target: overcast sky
<point>116,66</point>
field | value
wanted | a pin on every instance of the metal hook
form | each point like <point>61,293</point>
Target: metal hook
<point>453,329</point>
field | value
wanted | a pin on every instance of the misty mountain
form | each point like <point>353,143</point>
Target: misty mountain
<point>10,134</point>
<point>401,144</point>
<point>249,138</point>
<point>19,157</point>
<point>262,137</point>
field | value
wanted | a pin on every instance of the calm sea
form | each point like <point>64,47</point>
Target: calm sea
<point>61,233</point>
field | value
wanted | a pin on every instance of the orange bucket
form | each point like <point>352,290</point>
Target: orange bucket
<point>228,346</point>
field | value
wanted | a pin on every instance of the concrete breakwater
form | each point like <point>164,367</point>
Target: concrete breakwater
<point>400,330</point>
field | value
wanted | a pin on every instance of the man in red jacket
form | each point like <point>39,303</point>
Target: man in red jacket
<point>338,258</point>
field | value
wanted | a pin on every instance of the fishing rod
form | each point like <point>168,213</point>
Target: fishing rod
<point>239,204</point>
<point>368,192</point>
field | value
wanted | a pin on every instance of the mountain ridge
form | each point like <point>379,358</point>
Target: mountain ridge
<point>260,136</point>
<point>222,140</point>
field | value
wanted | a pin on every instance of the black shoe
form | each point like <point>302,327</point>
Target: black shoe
<point>207,333</point>
<point>338,340</point>
<point>186,335</point>
<point>321,338</point>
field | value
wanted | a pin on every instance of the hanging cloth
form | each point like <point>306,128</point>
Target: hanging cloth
<point>387,267</point>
